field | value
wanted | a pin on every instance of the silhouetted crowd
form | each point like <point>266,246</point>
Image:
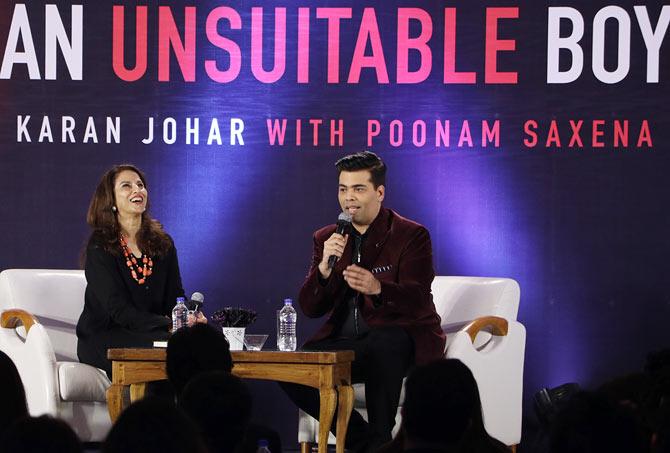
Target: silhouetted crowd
<point>205,409</point>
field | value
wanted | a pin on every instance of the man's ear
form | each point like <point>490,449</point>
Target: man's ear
<point>381,191</point>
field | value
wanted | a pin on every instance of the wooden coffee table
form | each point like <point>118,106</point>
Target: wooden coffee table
<point>329,372</point>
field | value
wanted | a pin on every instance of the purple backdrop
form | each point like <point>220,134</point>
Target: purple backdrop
<point>582,229</point>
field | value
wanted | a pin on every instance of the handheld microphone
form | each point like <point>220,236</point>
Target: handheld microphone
<point>343,225</point>
<point>197,299</point>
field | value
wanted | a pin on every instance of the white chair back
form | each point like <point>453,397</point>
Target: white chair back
<point>461,299</point>
<point>54,297</point>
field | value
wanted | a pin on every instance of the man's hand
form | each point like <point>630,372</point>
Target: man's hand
<point>333,246</point>
<point>362,280</point>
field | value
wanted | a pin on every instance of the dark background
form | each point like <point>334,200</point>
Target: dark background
<point>583,231</point>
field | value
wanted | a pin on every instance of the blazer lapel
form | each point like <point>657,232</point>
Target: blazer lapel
<point>378,234</point>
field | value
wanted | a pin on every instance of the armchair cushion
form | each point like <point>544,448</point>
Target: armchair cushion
<point>81,382</point>
<point>39,309</point>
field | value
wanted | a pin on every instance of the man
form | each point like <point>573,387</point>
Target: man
<point>377,298</point>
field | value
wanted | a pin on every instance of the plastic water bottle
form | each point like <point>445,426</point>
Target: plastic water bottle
<point>286,338</point>
<point>263,446</point>
<point>179,315</point>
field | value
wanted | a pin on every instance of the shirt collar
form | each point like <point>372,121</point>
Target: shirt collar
<point>378,225</point>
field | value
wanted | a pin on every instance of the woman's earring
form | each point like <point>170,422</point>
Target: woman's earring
<point>114,208</point>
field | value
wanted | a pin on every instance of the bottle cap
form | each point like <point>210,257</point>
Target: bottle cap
<point>181,299</point>
<point>263,443</point>
<point>288,301</point>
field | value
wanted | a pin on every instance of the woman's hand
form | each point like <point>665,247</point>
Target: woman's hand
<point>195,318</point>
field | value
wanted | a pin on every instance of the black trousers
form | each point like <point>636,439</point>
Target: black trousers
<point>383,358</point>
<point>93,350</point>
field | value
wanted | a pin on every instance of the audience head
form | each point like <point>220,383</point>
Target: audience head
<point>220,405</point>
<point>195,350</point>
<point>153,425</point>
<point>12,394</point>
<point>442,407</point>
<point>657,369</point>
<point>658,363</point>
<point>590,423</point>
<point>657,401</point>
<point>661,438</point>
<point>40,434</point>
<point>628,390</point>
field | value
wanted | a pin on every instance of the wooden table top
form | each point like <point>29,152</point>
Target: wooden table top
<point>268,356</point>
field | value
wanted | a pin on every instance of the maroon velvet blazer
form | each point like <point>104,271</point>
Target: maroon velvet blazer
<point>398,251</point>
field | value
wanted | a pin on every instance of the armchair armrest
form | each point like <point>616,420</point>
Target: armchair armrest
<point>493,324</point>
<point>15,317</point>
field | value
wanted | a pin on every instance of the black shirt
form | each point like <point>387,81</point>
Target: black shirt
<point>354,325</point>
<point>119,312</point>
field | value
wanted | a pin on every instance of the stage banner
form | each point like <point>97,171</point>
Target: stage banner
<point>531,139</point>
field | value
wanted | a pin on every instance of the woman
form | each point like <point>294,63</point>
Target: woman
<point>131,269</point>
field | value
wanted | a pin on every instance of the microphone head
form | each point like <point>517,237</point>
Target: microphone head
<point>197,297</point>
<point>344,217</point>
<point>343,223</point>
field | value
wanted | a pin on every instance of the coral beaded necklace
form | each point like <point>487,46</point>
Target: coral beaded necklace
<point>139,272</point>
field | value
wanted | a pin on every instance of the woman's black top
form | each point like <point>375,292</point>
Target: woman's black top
<point>119,312</point>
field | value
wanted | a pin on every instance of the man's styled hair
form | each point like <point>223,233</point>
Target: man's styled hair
<point>364,160</point>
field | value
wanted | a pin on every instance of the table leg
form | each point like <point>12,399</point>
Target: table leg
<point>137,391</point>
<point>115,401</point>
<point>344,407</point>
<point>328,397</point>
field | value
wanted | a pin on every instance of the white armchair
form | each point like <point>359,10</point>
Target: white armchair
<point>479,316</point>
<point>39,312</point>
